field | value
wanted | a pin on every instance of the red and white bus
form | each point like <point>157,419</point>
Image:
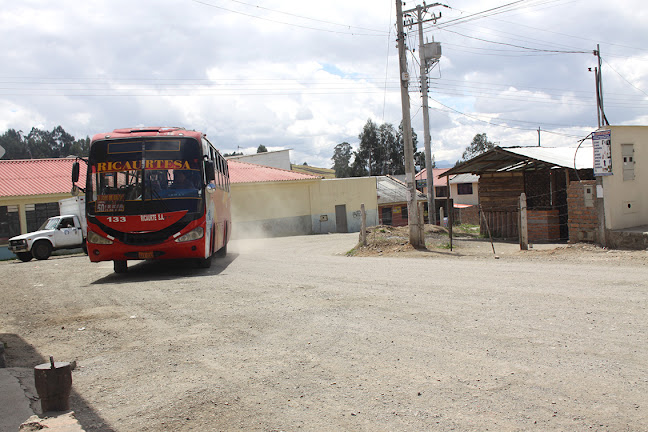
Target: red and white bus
<point>156,193</point>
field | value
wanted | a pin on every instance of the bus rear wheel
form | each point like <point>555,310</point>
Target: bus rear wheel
<point>120,266</point>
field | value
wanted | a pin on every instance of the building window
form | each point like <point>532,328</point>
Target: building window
<point>36,214</point>
<point>441,191</point>
<point>464,188</point>
<point>9,223</point>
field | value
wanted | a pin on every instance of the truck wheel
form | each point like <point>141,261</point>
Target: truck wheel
<point>42,250</point>
<point>120,266</point>
<point>24,256</point>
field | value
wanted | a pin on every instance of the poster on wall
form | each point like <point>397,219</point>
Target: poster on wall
<point>601,142</point>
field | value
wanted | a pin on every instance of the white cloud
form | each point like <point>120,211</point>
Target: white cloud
<point>92,67</point>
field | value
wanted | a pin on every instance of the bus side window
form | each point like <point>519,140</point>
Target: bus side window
<point>227,179</point>
<point>220,172</point>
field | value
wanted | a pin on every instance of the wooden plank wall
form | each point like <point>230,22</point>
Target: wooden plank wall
<point>500,191</point>
<point>499,196</point>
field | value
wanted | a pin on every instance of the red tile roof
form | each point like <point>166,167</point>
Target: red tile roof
<point>37,176</point>
<point>54,176</point>
<point>436,172</point>
<point>243,172</point>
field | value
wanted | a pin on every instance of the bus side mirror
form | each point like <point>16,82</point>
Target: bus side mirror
<point>75,172</point>
<point>209,171</point>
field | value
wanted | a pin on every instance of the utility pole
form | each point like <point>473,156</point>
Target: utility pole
<point>599,89</point>
<point>417,239</point>
<point>427,56</point>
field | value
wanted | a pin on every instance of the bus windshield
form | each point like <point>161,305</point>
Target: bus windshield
<point>145,175</point>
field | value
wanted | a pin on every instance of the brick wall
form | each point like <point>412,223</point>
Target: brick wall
<point>467,215</point>
<point>399,214</point>
<point>583,219</point>
<point>543,225</point>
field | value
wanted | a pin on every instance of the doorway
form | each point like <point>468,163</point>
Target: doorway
<point>341,219</point>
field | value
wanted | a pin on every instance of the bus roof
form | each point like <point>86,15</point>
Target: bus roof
<point>147,132</point>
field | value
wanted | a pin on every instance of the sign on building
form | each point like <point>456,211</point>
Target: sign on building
<point>601,141</point>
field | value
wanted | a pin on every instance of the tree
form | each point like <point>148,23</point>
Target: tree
<point>39,144</point>
<point>358,167</point>
<point>479,145</point>
<point>12,142</point>
<point>389,149</point>
<point>80,147</point>
<point>261,149</point>
<point>419,159</point>
<point>399,165</point>
<point>341,158</point>
<point>369,150</point>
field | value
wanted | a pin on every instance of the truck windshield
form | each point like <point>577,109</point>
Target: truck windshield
<point>145,175</point>
<point>50,224</point>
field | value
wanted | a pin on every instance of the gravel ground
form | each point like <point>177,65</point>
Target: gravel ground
<point>292,334</point>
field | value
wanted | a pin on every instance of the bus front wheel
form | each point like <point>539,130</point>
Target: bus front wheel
<point>222,252</point>
<point>120,266</point>
<point>204,262</point>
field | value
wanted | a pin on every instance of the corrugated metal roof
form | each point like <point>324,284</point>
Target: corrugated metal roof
<point>504,159</point>
<point>23,177</point>
<point>559,156</point>
<point>436,172</point>
<point>391,190</point>
<point>464,178</point>
<point>243,172</point>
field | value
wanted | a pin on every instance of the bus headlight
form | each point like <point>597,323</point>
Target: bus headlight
<point>95,238</point>
<point>192,235</point>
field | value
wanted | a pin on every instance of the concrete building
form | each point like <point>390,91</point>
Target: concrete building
<point>621,167</point>
<point>268,201</point>
<point>464,193</point>
<point>464,189</point>
<point>30,191</point>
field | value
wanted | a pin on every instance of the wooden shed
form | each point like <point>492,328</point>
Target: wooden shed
<point>541,173</point>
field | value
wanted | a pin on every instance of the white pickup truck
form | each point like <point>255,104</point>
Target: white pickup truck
<point>67,231</point>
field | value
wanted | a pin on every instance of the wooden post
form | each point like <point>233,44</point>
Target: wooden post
<point>363,228</point>
<point>441,215</point>
<point>481,212</point>
<point>450,220</point>
<point>524,228</point>
<point>422,221</point>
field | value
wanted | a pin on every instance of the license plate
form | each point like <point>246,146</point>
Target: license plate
<point>145,255</point>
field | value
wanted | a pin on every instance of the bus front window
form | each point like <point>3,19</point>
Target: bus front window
<point>145,176</point>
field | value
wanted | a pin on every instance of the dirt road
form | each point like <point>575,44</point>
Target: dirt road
<point>290,334</point>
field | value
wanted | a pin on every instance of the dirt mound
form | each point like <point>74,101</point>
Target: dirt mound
<point>385,240</point>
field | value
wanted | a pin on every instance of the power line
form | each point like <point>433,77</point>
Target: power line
<point>497,124</point>
<point>617,72</point>
<point>304,17</point>
<point>283,22</point>
<point>518,46</point>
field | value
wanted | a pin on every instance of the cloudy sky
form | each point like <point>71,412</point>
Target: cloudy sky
<point>307,75</point>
